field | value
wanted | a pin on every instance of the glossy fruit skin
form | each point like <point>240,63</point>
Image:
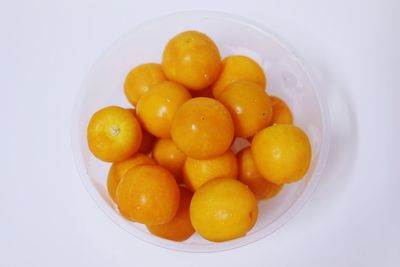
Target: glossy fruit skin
<point>281,113</point>
<point>197,172</point>
<point>282,153</point>
<point>238,68</point>
<point>249,175</point>
<point>180,227</point>
<point>118,169</point>
<point>157,108</point>
<point>140,79</point>
<point>168,155</point>
<point>223,209</point>
<point>249,106</point>
<point>114,134</point>
<point>202,128</point>
<point>148,194</point>
<point>191,58</point>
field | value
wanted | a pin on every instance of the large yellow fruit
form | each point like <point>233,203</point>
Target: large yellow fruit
<point>223,209</point>
<point>238,68</point>
<point>197,172</point>
<point>191,58</point>
<point>202,128</point>
<point>114,134</point>
<point>249,105</point>
<point>282,153</point>
<point>157,108</point>
<point>148,194</point>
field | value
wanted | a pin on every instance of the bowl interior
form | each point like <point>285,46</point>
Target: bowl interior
<point>287,78</point>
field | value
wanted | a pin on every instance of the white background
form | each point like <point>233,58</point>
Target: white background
<point>48,219</point>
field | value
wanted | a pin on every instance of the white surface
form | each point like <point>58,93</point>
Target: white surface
<point>47,217</point>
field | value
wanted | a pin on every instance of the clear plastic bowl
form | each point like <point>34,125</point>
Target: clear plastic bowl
<point>287,78</point>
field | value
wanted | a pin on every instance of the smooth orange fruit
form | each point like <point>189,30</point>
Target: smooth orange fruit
<point>249,106</point>
<point>118,169</point>
<point>249,175</point>
<point>168,155</point>
<point>156,109</point>
<point>140,79</point>
<point>281,113</point>
<point>114,134</point>
<point>148,194</point>
<point>180,227</point>
<point>282,153</point>
<point>148,141</point>
<point>223,209</point>
<point>202,128</point>
<point>238,68</point>
<point>197,172</point>
<point>192,59</point>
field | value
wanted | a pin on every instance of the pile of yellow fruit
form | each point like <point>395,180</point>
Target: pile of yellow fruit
<point>172,164</point>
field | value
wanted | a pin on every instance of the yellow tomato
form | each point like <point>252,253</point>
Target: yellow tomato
<point>113,134</point>
<point>118,169</point>
<point>249,175</point>
<point>156,109</point>
<point>180,227</point>
<point>197,172</point>
<point>202,128</point>
<point>282,153</point>
<point>192,59</point>
<point>168,155</point>
<point>281,113</point>
<point>238,68</point>
<point>223,209</point>
<point>140,79</point>
<point>249,106</point>
<point>148,194</point>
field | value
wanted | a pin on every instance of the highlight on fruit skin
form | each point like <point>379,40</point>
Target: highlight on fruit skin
<point>223,209</point>
<point>282,153</point>
<point>113,134</point>
<point>249,175</point>
<point>192,59</point>
<point>118,170</point>
<point>148,194</point>
<point>180,227</point>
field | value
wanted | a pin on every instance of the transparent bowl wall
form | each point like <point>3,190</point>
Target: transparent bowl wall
<point>287,78</point>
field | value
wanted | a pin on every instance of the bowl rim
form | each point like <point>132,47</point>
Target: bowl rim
<point>294,208</point>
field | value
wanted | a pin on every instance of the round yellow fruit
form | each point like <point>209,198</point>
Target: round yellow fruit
<point>191,58</point>
<point>282,153</point>
<point>249,106</point>
<point>202,128</point>
<point>223,209</point>
<point>114,134</point>
<point>238,68</point>
<point>281,113</point>
<point>140,79</point>
<point>197,172</point>
<point>157,108</point>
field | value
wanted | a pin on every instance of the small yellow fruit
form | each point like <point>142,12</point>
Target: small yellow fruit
<point>282,153</point>
<point>223,209</point>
